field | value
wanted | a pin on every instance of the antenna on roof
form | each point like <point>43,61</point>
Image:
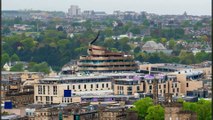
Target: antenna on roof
<point>95,38</point>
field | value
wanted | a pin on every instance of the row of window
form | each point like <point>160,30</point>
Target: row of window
<point>66,100</point>
<point>79,81</point>
<point>97,61</point>
<point>91,86</point>
<point>108,66</point>
<point>41,90</point>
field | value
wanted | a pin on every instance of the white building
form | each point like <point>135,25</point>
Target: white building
<point>74,10</point>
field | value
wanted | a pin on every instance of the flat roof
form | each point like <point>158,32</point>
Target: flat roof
<point>9,72</point>
<point>108,96</point>
<point>126,79</point>
<point>73,77</point>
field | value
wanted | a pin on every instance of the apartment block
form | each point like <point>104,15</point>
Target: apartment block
<point>68,89</point>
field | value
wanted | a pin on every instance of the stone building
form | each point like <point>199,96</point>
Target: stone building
<point>173,111</point>
<point>17,87</point>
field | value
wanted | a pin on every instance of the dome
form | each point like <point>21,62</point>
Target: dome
<point>151,45</point>
<point>161,47</point>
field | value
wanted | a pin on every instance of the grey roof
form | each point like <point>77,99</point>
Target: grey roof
<point>10,117</point>
<point>150,45</point>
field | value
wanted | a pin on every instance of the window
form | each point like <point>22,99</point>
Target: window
<point>129,88</point>
<point>54,90</point>
<point>39,89</point>
<point>177,89</point>
<point>159,86</point>
<point>36,98</point>
<point>73,87</point>
<point>85,86</point>
<point>102,85</point>
<point>91,85</point>
<point>164,86</point>
<point>107,85</point>
<point>68,87</point>
<point>47,98</point>
<point>150,87</point>
<point>48,89</point>
<point>175,84</point>
<point>118,87</point>
<point>96,85</point>
<point>79,86</point>
<point>43,89</point>
<point>187,84</point>
<point>138,88</point>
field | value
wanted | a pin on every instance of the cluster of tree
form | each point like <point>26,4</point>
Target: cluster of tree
<point>6,58</point>
<point>176,33</point>
<point>31,67</point>
<point>202,108</point>
<point>148,111</point>
<point>184,57</point>
<point>56,48</point>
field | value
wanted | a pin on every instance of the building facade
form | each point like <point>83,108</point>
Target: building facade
<point>102,60</point>
<point>53,89</point>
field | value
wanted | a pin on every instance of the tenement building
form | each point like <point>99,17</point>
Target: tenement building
<point>102,60</point>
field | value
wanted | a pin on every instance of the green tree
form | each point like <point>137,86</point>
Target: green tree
<point>201,56</point>
<point>172,43</point>
<point>41,67</point>
<point>14,58</point>
<point>137,50</point>
<point>123,44</point>
<point>17,68</point>
<point>29,43</point>
<point>4,58</point>
<point>6,30</point>
<point>142,105</point>
<point>186,57</point>
<point>202,108</point>
<point>108,31</point>
<point>155,113</point>
<point>181,100</point>
<point>163,41</point>
<point>109,42</point>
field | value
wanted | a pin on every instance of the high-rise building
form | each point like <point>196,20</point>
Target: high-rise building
<point>74,10</point>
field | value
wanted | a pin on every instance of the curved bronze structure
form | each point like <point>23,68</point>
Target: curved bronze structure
<point>95,38</point>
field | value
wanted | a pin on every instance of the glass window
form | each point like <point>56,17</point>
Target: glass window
<point>54,90</point>
<point>187,84</point>
<point>48,89</point>
<point>138,88</point>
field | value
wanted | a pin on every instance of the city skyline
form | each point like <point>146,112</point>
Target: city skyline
<point>162,7</point>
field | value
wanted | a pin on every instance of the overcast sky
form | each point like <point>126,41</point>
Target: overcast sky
<point>192,7</point>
